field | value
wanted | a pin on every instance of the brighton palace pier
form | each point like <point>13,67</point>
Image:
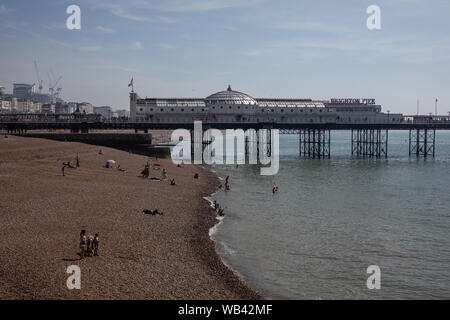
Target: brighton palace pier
<point>311,120</point>
<point>233,107</point>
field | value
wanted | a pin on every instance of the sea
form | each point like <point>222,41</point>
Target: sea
<point>334,219</point>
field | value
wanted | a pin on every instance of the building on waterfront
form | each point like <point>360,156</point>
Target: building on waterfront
<point>231,106</point>
<point>2,91</point>
<point>104,111</point>
<point>27,106</point>
<point>5,106</point>
<point>48,108</point>
<point>23,90</point>
<point>122,113</point>
<point>85,107</point>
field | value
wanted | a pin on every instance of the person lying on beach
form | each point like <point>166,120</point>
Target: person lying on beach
<point>120,169</point>
<point>152,212</point>
<point>83,243</point>
<point>155,179</point>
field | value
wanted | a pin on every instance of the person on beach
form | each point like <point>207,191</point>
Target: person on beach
<point>145,173</point>
<point>78,162</point>
<point>100,152</point>
<point>173,183</point>
<point>216,205</point>
<point>227,187</point>
<point>83,243</point>
<point>196,176</point>
<point>63,168</point>
<point>120,169</point>
<point>164,174</point>
<point>226,180</point>
<point>96,244</point>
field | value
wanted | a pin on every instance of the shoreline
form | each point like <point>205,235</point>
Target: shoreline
<point>184,254</point>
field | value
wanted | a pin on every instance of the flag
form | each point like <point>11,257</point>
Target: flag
<point>131,83</point>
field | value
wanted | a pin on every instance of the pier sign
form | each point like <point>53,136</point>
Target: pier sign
<point>353,101</point>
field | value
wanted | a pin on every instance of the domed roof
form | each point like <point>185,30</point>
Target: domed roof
<point>230,97</point>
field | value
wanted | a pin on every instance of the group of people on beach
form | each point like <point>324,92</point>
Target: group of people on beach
<point>88,244</point>
<point>69,165</point>
<point>145,173</point>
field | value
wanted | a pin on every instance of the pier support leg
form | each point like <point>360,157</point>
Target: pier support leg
<point>314,143</point>
<point>371,143</point>
<point>422,142</point>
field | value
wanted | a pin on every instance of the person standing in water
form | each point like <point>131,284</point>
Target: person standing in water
<point>78,162</point>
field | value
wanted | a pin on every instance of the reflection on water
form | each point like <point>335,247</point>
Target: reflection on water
<point>334,218</point>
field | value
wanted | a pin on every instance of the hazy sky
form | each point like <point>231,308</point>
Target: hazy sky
<point>294,48</point>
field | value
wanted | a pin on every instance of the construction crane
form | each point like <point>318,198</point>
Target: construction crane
<point>40,81</point>
<point>53,85</point>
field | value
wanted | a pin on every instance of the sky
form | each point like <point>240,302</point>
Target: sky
<point>192,48</point>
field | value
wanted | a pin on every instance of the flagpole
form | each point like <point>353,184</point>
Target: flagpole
<point>435,106</point>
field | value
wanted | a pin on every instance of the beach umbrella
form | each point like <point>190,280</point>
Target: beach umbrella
<point>110,161</point>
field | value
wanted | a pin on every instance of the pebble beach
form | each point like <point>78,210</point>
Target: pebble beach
<point>42,212</point>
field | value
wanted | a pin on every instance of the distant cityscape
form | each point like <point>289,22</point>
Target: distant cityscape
<point>25,99</point>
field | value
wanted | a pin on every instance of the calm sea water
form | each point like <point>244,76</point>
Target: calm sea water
<point>333,218</point>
